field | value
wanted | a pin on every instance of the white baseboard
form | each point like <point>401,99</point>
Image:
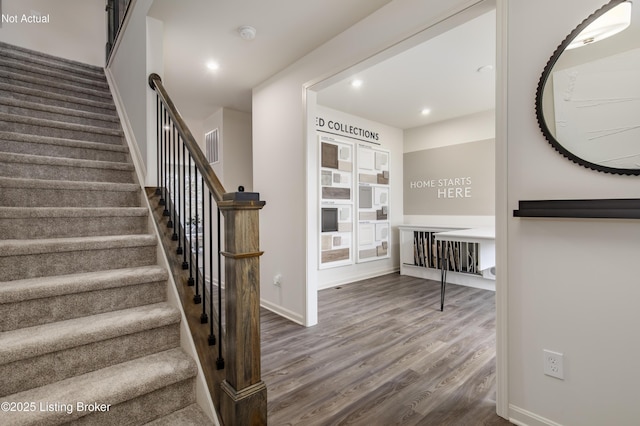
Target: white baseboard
<point>521,417</point>
<point>279,310</point>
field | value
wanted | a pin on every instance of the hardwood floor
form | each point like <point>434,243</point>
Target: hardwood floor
<point>383,354</point>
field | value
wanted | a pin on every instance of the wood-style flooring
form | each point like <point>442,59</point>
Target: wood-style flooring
<point>383,354</point>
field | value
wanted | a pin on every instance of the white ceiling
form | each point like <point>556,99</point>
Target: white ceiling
<point>197,31</point>
<point>439,74</point>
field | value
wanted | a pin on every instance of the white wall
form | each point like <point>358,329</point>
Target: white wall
<point>281,147</point>
<point>470,128</point>
<point>234,167</point>
<point>76,29</point>
<point>236,150</point>
<point>236,157</point>
<point>391,139</point>
<point>129,73</point>
<point>572,286</point>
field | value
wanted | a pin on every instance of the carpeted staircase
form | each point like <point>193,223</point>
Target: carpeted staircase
<point>83,312</point>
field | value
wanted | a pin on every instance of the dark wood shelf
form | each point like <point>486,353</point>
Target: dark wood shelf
<point>598,209</point>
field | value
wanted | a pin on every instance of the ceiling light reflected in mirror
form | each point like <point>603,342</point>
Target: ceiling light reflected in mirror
<point>609,24</point>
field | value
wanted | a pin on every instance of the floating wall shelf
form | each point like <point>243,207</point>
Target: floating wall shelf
<point>600,208</point>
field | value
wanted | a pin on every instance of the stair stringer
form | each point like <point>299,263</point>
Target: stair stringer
<point>203,395</point>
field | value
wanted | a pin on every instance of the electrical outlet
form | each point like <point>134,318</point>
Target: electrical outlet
<point>553,364</point>
<point>277,280</point>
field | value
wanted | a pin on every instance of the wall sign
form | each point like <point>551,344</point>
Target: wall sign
<point>451,180</point>
<point>335,127</point>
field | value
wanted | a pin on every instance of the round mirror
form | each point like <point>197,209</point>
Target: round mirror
<point>588,98</point>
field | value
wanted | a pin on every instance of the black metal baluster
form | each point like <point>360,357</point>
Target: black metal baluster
<point>161,162</point>
<point>170,189</point>
<point>190,282</point>
<point>196,297</point>
<point>158,130</point>
<point>185,218</point>
<point>180,219</point>
<point>212,336</point>
<point>174,199</point>
<point>165,168</point>
<point>220,360</point>
<point>204,318</point>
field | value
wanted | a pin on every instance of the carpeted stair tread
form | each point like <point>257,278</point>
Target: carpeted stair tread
<point>6,182</point>
<point>59,99</point>
<point>35,301</point>
<point>188,416</point>
<point>47,84</point>
<point>60,168</point>
<point>61,245</point>
<point>60,147</point>
<point>69,212</point>
<point>49,61</point>
<point>67,113</point>
<point>60,222</point>
<point>42,160</point>
<point>9,118</point>
<point>21,67</point>
<point>22,259</point>
<point>20,192</point>
<point>111,385</point>
<point>35,341</point>
<point>45,287</point>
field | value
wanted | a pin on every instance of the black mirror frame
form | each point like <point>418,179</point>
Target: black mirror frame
<point>540,90</point>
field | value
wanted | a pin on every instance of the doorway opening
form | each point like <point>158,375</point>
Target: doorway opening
<point>432,95</point>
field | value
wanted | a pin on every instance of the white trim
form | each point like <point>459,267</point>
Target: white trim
<point>129,135</point>
<point>502,209</point>
<point>279,310</point>
<point>521,417</point>
<point>311,210</point>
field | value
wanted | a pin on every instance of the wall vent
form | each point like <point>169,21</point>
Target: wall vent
<point>212,142</point>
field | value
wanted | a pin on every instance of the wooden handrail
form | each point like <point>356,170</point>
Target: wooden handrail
<point>210,178</point>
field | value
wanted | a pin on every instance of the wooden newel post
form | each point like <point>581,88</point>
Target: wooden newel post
<point>244,394</point>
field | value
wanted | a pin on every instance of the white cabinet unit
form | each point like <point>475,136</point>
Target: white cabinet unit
<point>469,254</point>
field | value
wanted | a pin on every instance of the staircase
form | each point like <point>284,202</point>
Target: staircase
<point>86,334</point>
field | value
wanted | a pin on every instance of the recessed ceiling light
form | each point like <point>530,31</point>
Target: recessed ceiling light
<point>213,66</point>
<point>356,83</point>
<point>425,111</point>
<point>485,69</point>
